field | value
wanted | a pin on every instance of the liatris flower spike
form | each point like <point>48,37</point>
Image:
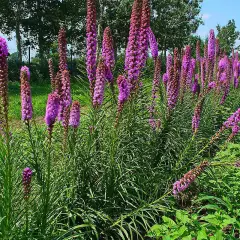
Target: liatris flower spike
<point>145,24</point>
<point>100,85</point>
<point>197,116</point>
<point>91,59</point>
<point>75,115</point>
<point>108,53</point>
<point>132,58</point>
<point>3,80</point>
<point>233,123</point>
<point>27,178</point>
<point>62,48</point>
<point>153,43</point>
<point>124,92</point>
<point>182,184</point>
<point>52,110</point>
<point>26,98</point>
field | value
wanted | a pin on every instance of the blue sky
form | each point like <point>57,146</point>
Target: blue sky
<point>218,12</point>
<point>213,12</point>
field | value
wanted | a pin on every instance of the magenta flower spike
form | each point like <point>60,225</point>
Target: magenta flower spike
<point>233,123</point>
<point>91,59</point>
<point>65,94</point>
<point>99,85</point>
<point>145,24</point>
<point>123,88</point>
<point>153,43</point>
<point>52,109</point>
<point>75,115</point>
<point>26,179</point>
<point>132,58</point>
<point>62,48</point>
<point>26,97</point>
<point>108,53</point>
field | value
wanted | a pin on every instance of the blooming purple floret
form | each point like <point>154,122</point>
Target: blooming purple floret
<point>196,85</point>
<point>26,97</point>
<point>124,90</point>
<point>100,84</point>
<point>26,69</point>
<point>108,53</point>
<point>132,58</point>
<point>233,122</point>
<point>203,72</point>
<point>74,120</point>
<point>91,41</point>
<point>211,45</point>
<point>212,85</point>
<point>191,72</point>
<point>153,43</point>
<point>165,78</point>
<point>52,109</point>
<point>65,95</point>
<point>145,24</point>
<point>26,178</point>
<point>236,71</point>
<point>3,47</point>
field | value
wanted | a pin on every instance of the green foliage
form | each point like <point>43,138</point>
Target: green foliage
<point>227,36</point>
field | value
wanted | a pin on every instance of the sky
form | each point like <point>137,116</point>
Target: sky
<point>213,12</point>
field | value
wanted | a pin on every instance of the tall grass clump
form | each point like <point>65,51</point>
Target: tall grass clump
<point>111,170</point>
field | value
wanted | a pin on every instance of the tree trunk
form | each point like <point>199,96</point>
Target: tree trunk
<point>18,35</point>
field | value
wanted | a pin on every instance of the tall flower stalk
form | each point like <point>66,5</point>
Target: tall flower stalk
<point>153,43</point>
<point>100,85</point>
<point>62,48</point>
<point>108,53</point>
<point>123,96</point>
<point>145,24</point>
<point>91,60</point>
<point>132,57</point>
<point>7,178</point>
<point>26,97</point>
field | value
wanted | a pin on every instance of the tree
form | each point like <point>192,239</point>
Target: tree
<point>173,21</point>
<point>11,15</point>
<point>227,36</point>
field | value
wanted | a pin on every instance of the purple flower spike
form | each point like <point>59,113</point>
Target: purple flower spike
<point>26,97</point>
<point>132,59</point>
<point>100,85</point>
<point>233,123</point>
<point>145,24</point>
<point>108,53</point>
<point>165,78</point>
<point>3,48</point>
<point>52,109</point>
<point>27,178</point>
<point>212,85</point>
<point>211,45</point>
<point>75,114</point>
<point>124,90</point>
<point>26,69</point>
<point>65,95</point>
<point>153,43</point>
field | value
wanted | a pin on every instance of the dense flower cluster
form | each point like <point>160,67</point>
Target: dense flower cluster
<point>153,43</point>
<point>182,184</point>
<point>108,53</point>
<point>62,49</point>
<point>132,58</point>
<point>233,122</point>
<point>3,81</point>
<point>75,115</point>
<point>145,24</point>
<point>100,84</point>
<point>26,179</point>
<point>52,109</point>
<point>65,94</point>
<point>91,58</point>
<point>197,116</point>
<point>26,97</point>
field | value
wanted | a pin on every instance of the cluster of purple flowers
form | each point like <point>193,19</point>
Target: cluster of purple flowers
<point>233,123</point>
<point>26,179</point>
<point>26,97</point>
<point>182,184</point>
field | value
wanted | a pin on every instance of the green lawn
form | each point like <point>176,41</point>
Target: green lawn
<point>39,97</point>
